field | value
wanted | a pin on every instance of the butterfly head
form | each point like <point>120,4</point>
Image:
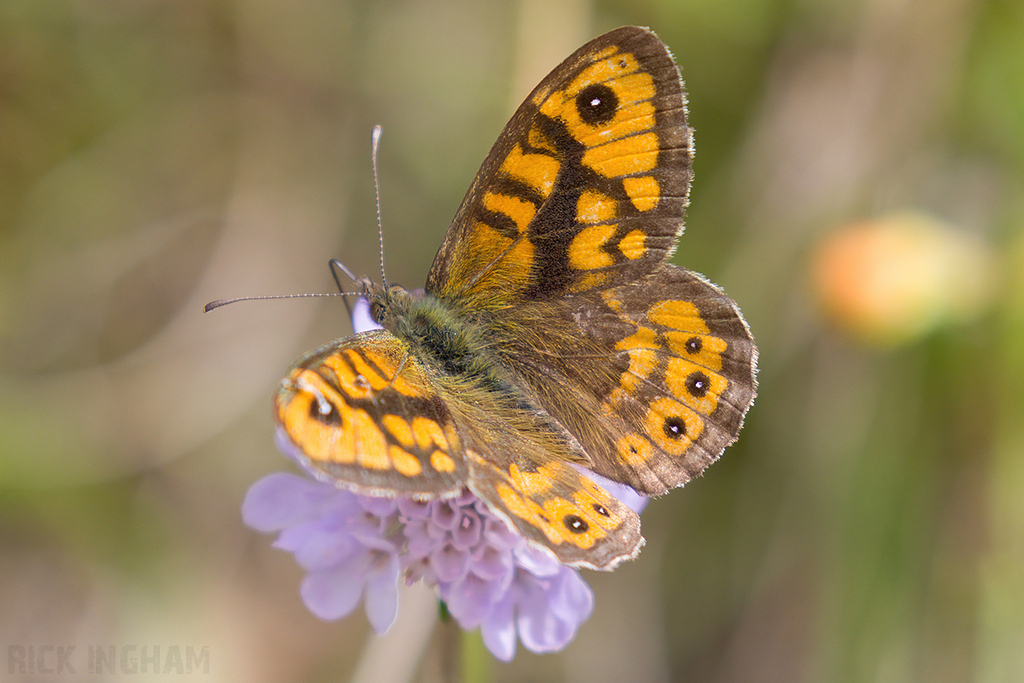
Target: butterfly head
<point>387,302</point>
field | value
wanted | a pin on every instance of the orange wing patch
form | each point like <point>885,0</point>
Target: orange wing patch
<point>643,191</point>
<point>310,394</point>
<point>673,426</point>
<point>678,315</point>
<point>511,259</point>
<point>362,412</point>
<point>404,462</point>
<point>587,250</point>
<point>442,462</point>
<point>632,245</point>
<point>595,207</point>
<point>538,171</point>
<point>703,349</point>
<point>698,389</point>
<point>636,154</point>
<point>518,210</point>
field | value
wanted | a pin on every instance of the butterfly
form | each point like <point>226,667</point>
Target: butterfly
<point>552,334</point>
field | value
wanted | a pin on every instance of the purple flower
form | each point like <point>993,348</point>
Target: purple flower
<point>355,547</point>
<point>336,539</point>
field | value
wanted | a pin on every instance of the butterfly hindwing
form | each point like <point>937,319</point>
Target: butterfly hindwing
<point>652,378</point>
<point>687,365</point>
<point>556,506</point>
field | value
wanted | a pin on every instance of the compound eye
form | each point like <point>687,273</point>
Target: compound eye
<point>378,311</point>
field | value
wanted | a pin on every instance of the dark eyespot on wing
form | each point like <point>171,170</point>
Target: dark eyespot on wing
<point>597,104</point>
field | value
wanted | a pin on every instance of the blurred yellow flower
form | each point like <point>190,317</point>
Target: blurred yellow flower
<point>893,280</point>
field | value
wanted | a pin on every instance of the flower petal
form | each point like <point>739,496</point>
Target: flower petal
<point>377,505</point>
<point>382,593</point>
<point>362,321</point>
<point>420,541</point>
<point>627,495</point>
<point>490,562</point>
<point>446,514</point>
<point>499,629</point>
<point>414,509</point>
<point>356,547</point>
<point>536,561</point>
<point>467,531</point>
<point>449,563</point>
<point>470,599</point>
<point>497,533</point>
<point>570,597</point>
<point>540,629</point>
<point>281,500</point>
<point>318,546</point>
<point>332,593</point>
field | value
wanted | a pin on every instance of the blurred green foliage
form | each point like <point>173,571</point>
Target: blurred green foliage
<point>869,523</point>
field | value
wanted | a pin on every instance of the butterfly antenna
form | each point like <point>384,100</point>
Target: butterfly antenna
<point>375,141</point>
<point>213,305</point>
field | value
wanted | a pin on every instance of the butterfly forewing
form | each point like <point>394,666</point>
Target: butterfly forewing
<point>363,413</point>
<point>586,186</point>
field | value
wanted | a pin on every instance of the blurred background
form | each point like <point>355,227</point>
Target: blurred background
<point>859,191</point>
